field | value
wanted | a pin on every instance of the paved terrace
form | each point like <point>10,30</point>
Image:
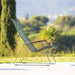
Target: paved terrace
<point>60,68</point>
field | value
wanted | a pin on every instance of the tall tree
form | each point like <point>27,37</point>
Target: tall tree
<point>27,17</point>
<point>0,13</point>
<point>0,7</point>
<point>8,30</point>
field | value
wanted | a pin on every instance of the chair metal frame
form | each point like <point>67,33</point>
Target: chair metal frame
<point>29,43</point>
<point>36,64</point>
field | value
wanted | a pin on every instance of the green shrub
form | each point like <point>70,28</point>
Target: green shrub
<point>50,33</point>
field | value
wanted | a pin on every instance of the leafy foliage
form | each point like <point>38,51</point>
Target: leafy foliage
<point>66,24</point>
<point>73,21</point>
<point>65,20</point>
<point>8,30</point>
<point>50,33</point>
<point>0,7</point>
<point>66,42</point>
<point>34,36</point>
<point>43,19</point>
<point>32,26</point>
<point>0,17</point>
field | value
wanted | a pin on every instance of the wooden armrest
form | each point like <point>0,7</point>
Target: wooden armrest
<point>37,41</point>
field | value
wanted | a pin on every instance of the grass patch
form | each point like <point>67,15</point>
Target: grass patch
<point>37,59</point>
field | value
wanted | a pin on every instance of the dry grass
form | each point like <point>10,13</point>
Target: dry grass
<point>37,59</point>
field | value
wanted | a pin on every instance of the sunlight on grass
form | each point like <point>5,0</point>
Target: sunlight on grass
<point>37,59</point>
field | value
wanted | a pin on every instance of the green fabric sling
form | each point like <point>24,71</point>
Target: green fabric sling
<point>24,36</point>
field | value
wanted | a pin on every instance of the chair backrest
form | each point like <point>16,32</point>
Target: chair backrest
<point>23,35</point>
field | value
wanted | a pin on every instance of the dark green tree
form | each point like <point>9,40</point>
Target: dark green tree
<point>32,26</point>
<point>8,30</point>
<point>73,21</point>
<point>0,7</point>
<point>63,20</point>
<point>27,17</point>
<point>0,13</point>
<point>43,19</point>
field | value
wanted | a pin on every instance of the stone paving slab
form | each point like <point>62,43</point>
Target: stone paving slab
<point>60,68</point>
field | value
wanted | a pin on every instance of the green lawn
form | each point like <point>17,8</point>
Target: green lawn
<point>37,59</point>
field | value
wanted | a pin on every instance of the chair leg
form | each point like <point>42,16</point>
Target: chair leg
<point>53,57</point>
<point>19,53</point>
<point>46,54</point>
<point>47,57</point>
<point>52,54</point>
<point>24,55</point>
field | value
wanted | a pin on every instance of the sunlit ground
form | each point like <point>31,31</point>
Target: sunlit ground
<point>37,59</point>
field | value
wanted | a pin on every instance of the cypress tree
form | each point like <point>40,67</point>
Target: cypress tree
<point>0,7</point>
<point>8,30</point>
<point>0,20</point>
<point>0,13</point>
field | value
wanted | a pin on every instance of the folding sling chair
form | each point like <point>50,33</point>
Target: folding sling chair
<point>29,43</point>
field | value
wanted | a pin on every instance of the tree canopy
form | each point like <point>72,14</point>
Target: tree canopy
<point>32,26</point>
<point>43,19</point>
<point>63,20</point>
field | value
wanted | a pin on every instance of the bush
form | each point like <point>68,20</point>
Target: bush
<point>66,42</point>
<point>50,33</point>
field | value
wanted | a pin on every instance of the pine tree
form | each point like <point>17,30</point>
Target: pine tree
<point>8,30</point>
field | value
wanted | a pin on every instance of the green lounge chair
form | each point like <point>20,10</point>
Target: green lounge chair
<point>29,43</point>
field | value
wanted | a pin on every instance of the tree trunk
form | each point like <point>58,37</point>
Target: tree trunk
<point>8,30</point>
